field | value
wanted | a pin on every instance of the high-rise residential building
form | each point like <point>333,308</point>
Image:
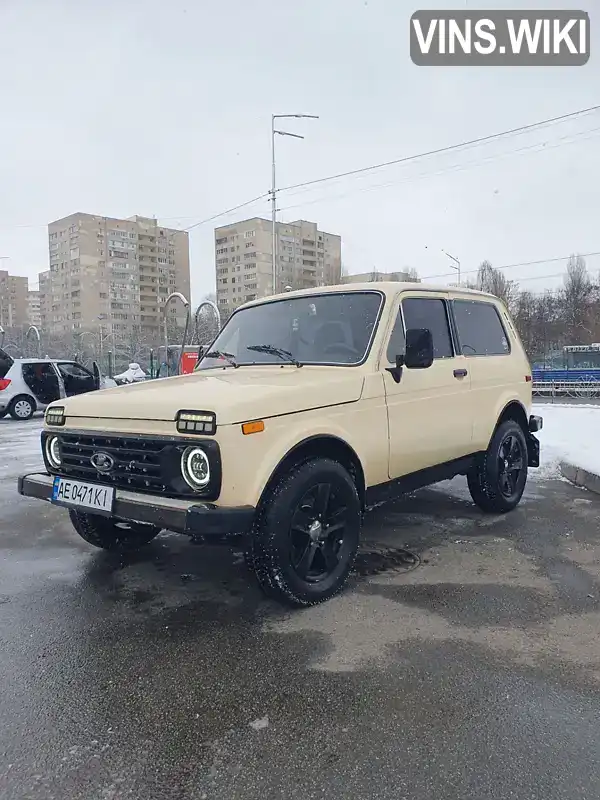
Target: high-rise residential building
<point>34,311</point>
<point>13,300</point>
<point>112,276</point>
<point>379,277</point>
<point>45,299</point>
<point>306,257</point>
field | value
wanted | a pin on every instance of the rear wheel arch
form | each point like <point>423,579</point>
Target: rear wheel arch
<point>516,411</point>
<point>319,446</point>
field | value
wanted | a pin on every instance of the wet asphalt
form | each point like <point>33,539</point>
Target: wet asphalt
<point>167,675</point>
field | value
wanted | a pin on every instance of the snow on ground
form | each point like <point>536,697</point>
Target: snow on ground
<point>570,433</point>
<point>20,449</point>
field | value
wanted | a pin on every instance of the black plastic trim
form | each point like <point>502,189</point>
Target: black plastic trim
<point>421,479</point>
<point>196,519</point>
<point>533,450</point>
<point>535,423</point>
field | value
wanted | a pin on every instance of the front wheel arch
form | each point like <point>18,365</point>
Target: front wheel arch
<point>319,446</point>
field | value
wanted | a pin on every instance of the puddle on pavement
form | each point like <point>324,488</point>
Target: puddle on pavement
<point>374,559</point>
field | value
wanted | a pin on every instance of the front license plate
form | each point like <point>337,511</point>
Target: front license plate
<point>77,494</point>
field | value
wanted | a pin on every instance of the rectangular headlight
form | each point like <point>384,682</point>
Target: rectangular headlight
<point>55,415</point>
<point>197,422</point>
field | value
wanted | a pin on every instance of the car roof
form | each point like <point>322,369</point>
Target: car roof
<point>41,360</point>
<point>388,288</point>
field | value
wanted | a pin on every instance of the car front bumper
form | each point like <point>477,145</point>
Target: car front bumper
<point>197,519</point>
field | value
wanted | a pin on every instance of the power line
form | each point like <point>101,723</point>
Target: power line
<point>405,159</point>
<point>446,149</point>
<point>542,147</point>
<point>196,224</point>
<point>515,266</point>
<point>228,211</point>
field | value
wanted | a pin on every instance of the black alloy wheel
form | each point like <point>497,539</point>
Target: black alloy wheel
<point>497,481</point>
<point>511,462</point>
<point>307,533</point>
<point>317,532</point>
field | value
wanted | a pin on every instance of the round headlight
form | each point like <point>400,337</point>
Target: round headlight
<point>53,452</point>
<point>195,468</point>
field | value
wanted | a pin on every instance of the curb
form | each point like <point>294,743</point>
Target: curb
<point>580,477</point>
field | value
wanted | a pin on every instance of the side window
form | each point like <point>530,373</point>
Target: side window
<point>430,312</point>
<point>397,340</point>
<point>480,329</point>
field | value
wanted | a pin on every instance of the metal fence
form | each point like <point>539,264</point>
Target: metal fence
<point>574,383</point>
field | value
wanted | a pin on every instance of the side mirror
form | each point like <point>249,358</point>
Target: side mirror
<point>419,348</point>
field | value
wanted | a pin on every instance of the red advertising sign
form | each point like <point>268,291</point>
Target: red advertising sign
<point>188,362</point>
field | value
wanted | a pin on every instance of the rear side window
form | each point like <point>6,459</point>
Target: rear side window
<point>430,312</point>
<point>480,329</point>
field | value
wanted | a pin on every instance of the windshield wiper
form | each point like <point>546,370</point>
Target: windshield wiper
<point>222,354</point>
<point>280,352</point>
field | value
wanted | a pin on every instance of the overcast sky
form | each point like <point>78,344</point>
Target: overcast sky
<point>162,108</point>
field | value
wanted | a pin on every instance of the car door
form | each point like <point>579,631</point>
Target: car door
<point>77,379</point>
<point>42,380</point>
<point>494,368</point>
<point>429,410</point>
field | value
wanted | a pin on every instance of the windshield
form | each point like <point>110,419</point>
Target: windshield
<point>334,329</point>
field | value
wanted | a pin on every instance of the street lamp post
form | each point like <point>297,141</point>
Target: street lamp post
<point>186,304</point>
<point>33,329</point>
<point>275,132</point>
<point>456,261</point>
<point>2,320</point>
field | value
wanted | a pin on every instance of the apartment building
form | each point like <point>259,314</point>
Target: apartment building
<point>34,311</point>
<point>380,277</point>
<point>306,257</point>
<point>113,276</point>
<point>13,300</point>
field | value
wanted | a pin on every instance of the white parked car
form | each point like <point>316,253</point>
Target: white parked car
<point>28,385</point>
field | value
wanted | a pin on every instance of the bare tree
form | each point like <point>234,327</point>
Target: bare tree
<point>577,299</point>
<point>412,276</point>
<point>489,279</point>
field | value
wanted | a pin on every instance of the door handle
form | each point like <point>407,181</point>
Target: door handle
<point>460,373</point>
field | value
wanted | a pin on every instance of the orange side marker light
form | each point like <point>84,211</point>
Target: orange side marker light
<point>253,427</point>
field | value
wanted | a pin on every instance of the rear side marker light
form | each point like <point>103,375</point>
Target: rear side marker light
<point>4,384</point>
<point>527,378</point>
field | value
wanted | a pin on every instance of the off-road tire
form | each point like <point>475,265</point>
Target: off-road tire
<point>272,548</point>
<point>19,402</point>
<point>484,479</point>
<point>110,534</point>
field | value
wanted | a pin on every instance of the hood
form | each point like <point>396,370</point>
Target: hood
<point>235,395</point>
